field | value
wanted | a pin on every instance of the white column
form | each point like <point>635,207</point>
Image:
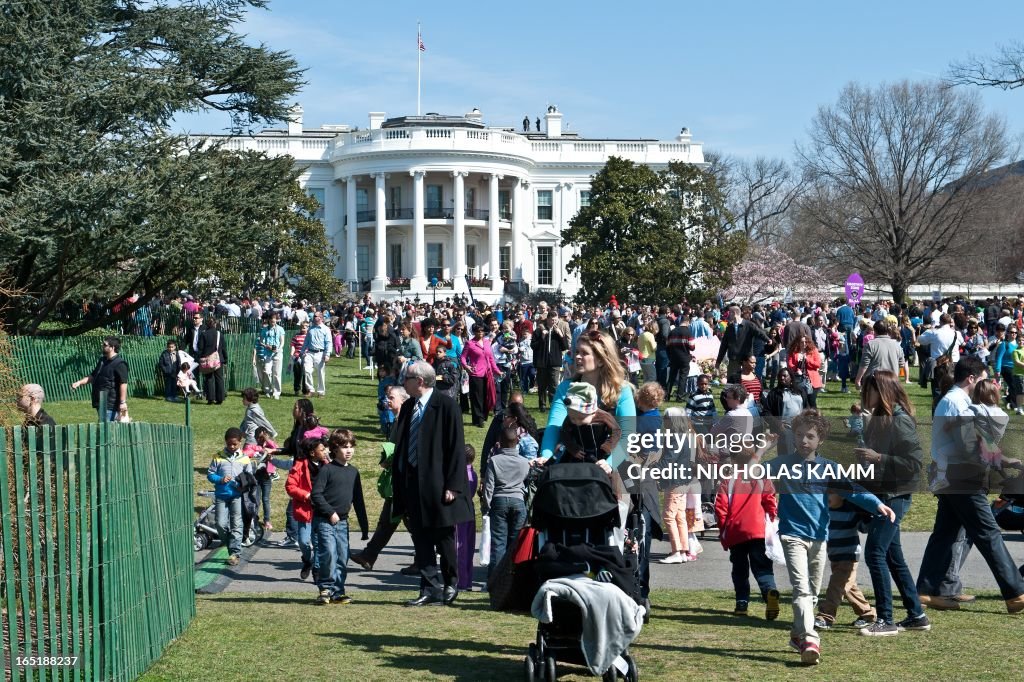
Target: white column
<point>418,283</point>
<point>519,211</point>
<point>380,278</point>
<point>351,270</point>
<point>334,218</point>
<point>459,241</point>
<point>492,234</point>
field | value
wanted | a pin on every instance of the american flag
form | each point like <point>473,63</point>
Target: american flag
<point>419,40</point>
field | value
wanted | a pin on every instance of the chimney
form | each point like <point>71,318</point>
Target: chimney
<point>295,120</point>
<point>376,118</point>
<point>475,116</point>
<point>684,135</point>
<point>553,122</point>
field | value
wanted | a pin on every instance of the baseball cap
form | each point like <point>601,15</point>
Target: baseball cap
<point>581,397</point>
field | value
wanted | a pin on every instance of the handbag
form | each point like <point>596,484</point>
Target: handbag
<point>208,364</point>
<point>804,382</point>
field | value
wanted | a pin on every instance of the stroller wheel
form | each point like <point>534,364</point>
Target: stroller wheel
<point>610,675</point>
<point>550,669</point>
<point>200,541</point>
<point>530,663</point>
<point>647,611</point>
<point>632,672</point>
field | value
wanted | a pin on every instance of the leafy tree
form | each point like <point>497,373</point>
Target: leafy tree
<point>97,198</point>
<point>652,236</point>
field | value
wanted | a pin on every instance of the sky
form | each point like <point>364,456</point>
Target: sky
<point>745,77</point>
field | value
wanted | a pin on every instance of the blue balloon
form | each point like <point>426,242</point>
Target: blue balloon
<point>433,281</point>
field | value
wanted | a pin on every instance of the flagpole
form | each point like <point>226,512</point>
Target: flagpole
<point>419,59</point>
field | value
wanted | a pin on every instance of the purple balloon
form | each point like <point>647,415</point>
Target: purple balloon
<point>854,288</point>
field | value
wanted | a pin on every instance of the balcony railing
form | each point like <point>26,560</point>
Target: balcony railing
<point>408,213</point>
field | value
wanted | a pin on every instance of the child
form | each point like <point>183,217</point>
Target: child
<point>692,376</point>
<point>385,378</point>
<point>254,417</point>
<point>589,434</point>
<point>311,456</point>
<point>527,372</point>
<point>265,470</point>
<point>465,532</point>
<point>986,423</point>
<point>169,365</point>
<point>225,467</point>
<point>649,398</point>
<point>803,522</point>
<point>740,507</point>
<point>855,422</point>
<point>187,382</point>
<point>843,554</point>
<point>503,492</point>
<point>336,490</point>
<point>701,405</point>
<point>680,493</point>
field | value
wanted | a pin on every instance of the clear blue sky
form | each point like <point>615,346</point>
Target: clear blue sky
<point>745,77</point>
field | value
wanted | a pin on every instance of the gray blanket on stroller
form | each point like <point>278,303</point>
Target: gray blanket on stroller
<point>611,620</point>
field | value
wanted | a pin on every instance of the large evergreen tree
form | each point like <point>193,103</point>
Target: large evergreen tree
<point>97,197</point>
<point>652,237</point>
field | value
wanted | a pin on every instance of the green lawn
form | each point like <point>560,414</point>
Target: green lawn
<point>351,402</point>
<point>692,635</point>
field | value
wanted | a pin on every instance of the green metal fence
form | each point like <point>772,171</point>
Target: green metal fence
<point>97,564</point>
<point>54,363</point>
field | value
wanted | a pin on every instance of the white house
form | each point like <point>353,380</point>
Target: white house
<point>415,198</point>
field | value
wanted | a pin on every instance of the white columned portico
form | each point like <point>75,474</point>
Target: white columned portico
<point>492,234</point>
<point>459,240</point>
<point>380,280</point>
<point>519,212</point>
<point>565,214</point>
<point>418,281</point>
<point>351,274</point>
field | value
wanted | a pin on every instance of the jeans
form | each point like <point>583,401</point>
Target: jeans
<point>648,370</point>
<point>883,554</point>
<point>170,387</point>
<point>952,586</point>
<point>265,487</point>
<point>333,554</point>
<point>527,376</point>
<point>749,557</point>
<point>973,514</point>
<point>508,514</point>
<point>307,544</point>
<point>229,524</point>
<point>759,367</point>
<point>805,562</point>
<point>843,369</point>
<point>677,379</point>
<point>291,526</point>
<point>661,367</point>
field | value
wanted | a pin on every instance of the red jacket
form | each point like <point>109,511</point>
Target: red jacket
<point>742,518</point>
<point>299,486</point>
<point>813,365</point>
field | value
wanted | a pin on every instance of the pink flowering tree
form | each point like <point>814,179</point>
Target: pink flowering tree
<point>766,275</point>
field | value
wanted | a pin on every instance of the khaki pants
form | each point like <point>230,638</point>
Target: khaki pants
<point>805,562</point>
<point>843,583</point>
<point>674,517</point>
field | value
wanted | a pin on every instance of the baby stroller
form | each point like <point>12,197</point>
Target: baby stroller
<point>1009,507</point>
<point>205,527</point>
<point>575,515</point>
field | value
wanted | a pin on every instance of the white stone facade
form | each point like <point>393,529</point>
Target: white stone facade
<point>417,198</point>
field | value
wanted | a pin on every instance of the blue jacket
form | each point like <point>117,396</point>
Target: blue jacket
<point>803,488</point>
<point>224,465</point>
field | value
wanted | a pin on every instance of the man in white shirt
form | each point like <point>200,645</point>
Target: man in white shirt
<point>940,339</point>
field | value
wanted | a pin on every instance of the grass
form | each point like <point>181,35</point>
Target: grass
<point>691,634</point>
<point>351,402</point>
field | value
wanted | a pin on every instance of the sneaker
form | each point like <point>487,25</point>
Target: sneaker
<point>796,644</point>
<point>741,608</point>
<point>233,560</point>
<point>307,568</point>
<point>325,597</point>
<point>275,476</point>
<point>771,607</point>
<point>821,624</point>
<point>940,603</point>
<point>810,654</point>
<point>920,623</point>
<point>880,628</point>
<point>288,542</point>
<point>341,599</point>
<point>845,390</point>
<point>690,556</point>
<point>673,558</point>
<point>862,622</point>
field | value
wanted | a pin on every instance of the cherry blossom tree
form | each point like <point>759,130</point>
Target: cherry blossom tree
<point>768,273</point>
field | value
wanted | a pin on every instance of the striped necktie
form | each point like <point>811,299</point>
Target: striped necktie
<point>414,433</point>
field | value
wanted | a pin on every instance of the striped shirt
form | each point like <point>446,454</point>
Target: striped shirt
<point>843,538</point>
<point>753,388</point>
<point>701,405</point>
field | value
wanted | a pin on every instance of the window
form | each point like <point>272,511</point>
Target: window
<point>545,261</point>
<point>504,261</point>
<point>435,261</point>
<point>362,200</point>
<point>396,260</point>
<point>435,197</point>
<point>544,198</point>
<point>470,202</point>
<point>396,201</point>
<point>584,198</point>
<point>504,204</point>
<point>363,263</point>
<point>471,260</point>
<point>320,194</point>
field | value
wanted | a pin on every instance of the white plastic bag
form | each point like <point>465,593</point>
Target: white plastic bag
<point>485,541</point>
<point>772,544</point>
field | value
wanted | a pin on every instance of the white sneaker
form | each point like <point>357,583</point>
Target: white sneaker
<point>673,558</point>
<point>695,547</point>
<point>1020,410</point>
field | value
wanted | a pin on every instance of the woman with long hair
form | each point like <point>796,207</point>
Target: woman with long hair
<point>596,362</point>
<point>893,449</point>
<point>804,361</point>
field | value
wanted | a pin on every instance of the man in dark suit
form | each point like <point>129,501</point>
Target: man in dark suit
<point>738,342</point>
<point>430,482</point>
<point>211,341</point>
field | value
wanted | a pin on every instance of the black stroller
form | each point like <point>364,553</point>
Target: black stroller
<point>1008,509</point>
<point>575,513</point>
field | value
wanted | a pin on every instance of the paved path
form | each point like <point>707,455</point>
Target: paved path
<point>275,569</point>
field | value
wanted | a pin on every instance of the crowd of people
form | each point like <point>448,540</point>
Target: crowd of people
<point>604,374</point>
